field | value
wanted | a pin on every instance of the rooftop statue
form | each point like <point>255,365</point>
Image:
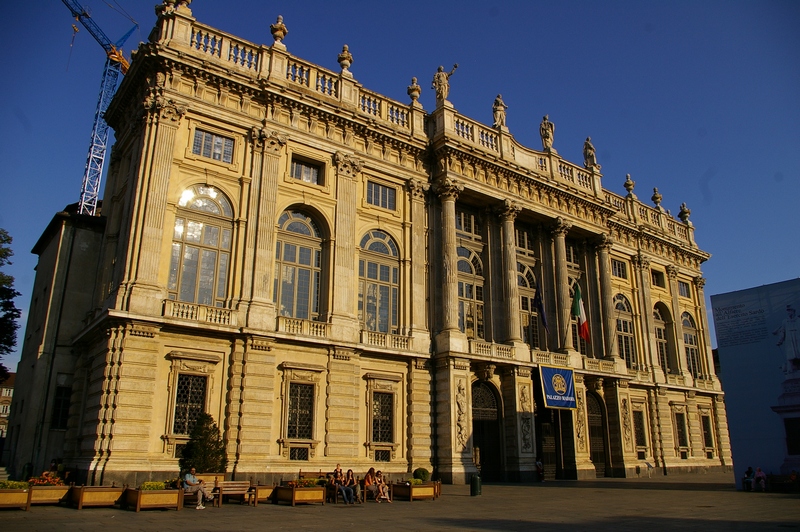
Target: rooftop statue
<point>589,155</point>
<point>547,130</point>
<point>499,111</point>
<point>441,82</point>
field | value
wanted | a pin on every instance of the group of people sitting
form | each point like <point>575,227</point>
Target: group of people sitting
<point>349,487</point>
<point>754,480</point>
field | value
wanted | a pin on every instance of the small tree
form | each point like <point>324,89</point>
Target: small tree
<point>9,313</point>
<point>205,449</point>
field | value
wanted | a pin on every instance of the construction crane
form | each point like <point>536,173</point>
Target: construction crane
<point>116,65</point>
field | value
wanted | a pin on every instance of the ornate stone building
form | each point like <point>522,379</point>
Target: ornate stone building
<point>336,276</point>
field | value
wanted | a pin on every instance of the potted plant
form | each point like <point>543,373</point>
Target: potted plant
<point>153,495</point>
<point>46,489</point>
<point>14,494</point>
<point>300,491</point>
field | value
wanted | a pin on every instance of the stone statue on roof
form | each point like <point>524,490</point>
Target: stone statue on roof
<point>499,111</point>
<point>547,131</point>
<point>441,82</point>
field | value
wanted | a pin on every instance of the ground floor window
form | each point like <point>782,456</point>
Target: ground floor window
<point>301,411</point>
<point>190,402</point>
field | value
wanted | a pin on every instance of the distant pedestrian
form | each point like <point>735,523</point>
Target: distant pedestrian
<point>760,480</point>
<point>539,470</point>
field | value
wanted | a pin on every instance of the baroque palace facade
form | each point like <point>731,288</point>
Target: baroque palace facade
<point>339,277</point>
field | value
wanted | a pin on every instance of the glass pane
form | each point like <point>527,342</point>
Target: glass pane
<point>177,233</point>
<point>208,270</point>
<point>372,270</point>
<point>222,275</point>
<point>287,291</point>
<point>198,142</point>
<point>315,294</point>
<point>226,239</point>
<point>372,307</point>
<point>217,148</point>
<point>172,284</point>
<point>227,153</point>
<point>211,236</point>
<point>384,273</point>
<point>305,256</point>
<point>188,274</point>
<point>290,253</point>
<point>303,289</point>
<point>383,309</point>
<point>206,144</point>
<point>394,307</point>
<point>193,231</point>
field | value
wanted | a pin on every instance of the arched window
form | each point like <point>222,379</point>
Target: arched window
<point>663,346</point>
<point>201,246</point>
<point>625,337</point>
<point>298,256</point>
<point>378,282</point>
<point>691,345</point>
<point>470,293</point>
<point>529,312</point>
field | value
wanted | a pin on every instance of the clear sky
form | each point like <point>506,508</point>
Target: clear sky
<point>698,98</point>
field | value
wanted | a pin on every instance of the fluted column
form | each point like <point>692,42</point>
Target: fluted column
<point>642,266</point>
<point>508,214</point>
<point>607,297</point>
<point>680,347</point>
<point>448,191</point>
<point>560,230</point>
<point>702,325</point>
<point>417,190</point>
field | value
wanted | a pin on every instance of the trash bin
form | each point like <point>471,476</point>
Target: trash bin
<point>475,485</point>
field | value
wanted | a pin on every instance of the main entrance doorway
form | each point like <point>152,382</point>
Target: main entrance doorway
<point>597,434</point>
<point>486,431</point>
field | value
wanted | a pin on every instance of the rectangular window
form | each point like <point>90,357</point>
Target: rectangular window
<point>658,278</point>
<point>572,252</point>
<point>61,407</point>
<point>213,146</point>
<point>381,195</point>
<point>467,225</point>
<point>383,455</point>
<point>382,407</point>
<point>298,453</point>
<point>8,392</point>
<point>301,411</point>
<point>680,428</point>
<point>306,172</point>
<point>619,269</point>
<point>708,436</point>
<point>684,289</point>
<point>639,428</point>
<point>190,402</point>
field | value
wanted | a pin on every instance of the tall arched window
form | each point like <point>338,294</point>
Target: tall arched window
<point>201,246</point>
<point>662,342</point>
<point>470,294</point>
<point>625,337</point>
<point>529,314</point>
<point>298,256</point>
<point>378,281</point>
<point>691,345</point>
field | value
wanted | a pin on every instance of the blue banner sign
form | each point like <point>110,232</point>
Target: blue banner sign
<point>558,387</point>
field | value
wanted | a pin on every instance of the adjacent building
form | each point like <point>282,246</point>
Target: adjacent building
<point>339,277</point>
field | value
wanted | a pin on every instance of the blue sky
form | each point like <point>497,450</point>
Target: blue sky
<point>698,98</point>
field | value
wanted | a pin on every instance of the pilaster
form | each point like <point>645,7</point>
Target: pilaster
<point>342,412</point>
<point>420,415</point>
<point>454,420</point>
<point>520,433</point>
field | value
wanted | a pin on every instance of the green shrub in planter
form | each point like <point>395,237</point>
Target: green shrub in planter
<point>415,481</point>
<point>153,486</point>
<point>423,474</point>
<point>13,485</point>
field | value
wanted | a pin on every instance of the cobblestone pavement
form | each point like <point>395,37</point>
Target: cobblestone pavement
<point>691,502</point>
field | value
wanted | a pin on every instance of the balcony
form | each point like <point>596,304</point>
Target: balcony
<point>199,313</point>
<point>303,327</point>
<point>388,341</point>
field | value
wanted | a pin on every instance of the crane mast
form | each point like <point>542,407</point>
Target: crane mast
<point>116,66</point>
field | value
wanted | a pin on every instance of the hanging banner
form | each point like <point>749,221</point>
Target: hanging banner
<point>558,387</point>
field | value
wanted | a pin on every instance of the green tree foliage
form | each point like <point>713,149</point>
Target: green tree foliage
<point>205,449</point>
<point>9,313</point>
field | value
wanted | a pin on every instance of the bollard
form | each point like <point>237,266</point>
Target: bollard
<point>475,485</point>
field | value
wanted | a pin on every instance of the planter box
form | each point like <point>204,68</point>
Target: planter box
<point>294,495</point>
<point>14,499</point>
<point>82,496</point>
<point>414,491</point>
<point>139,499</point>
<point>261,494</point>
<point>47,494</point>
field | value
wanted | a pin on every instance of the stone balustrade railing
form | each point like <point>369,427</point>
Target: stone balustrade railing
<point>553,359</point>
<point>389,341</point>
<point>644,215</point>
<point>225,48</point>
<point>199,313</point>
<point>384,109</point>
<point>476,133</point>
<point>302,327</point>
<point>489,349</point>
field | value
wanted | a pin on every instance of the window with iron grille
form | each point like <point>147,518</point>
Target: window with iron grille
<point>708,436</point>
<point>680,428</point>
<point>381,195</point>
<point>298,453</point>
<point>638,428</point>
<point>301,411</point>
<point>383,455</point>
<point>619,269</point>
<point>684,290</point>
<point>190,402</point>
<point>306,172</point>
<point>382,418</point>
<point>213,146</point>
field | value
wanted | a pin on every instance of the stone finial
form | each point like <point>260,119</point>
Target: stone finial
<point>656,198</point>
<point>168,6</point>
<point>345,60</point>
<point>684,214</point>
<point>629,184</point>
<point>499,111</point>
<point>414,90</point>
<point>278,31</point>
<point>547,131</point>
<point>441,83</point>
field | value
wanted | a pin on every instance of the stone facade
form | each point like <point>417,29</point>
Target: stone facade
<point>339,277</point>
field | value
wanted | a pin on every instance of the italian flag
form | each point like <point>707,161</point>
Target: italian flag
<point>579,312</point>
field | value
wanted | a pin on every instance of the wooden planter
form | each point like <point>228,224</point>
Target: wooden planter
<point>82,496</point>
<point>294,495</point>
<point>47,494</point>
<point>410,492</point>
<point>261,494</point>
<point>139,499</point>
<point>14,499</point>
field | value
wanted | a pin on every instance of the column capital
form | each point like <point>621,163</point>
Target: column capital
<point>672,271</point>
<point>347,165</point>
<point>270,142</point>
<point>640,262</point>
<point>417,188</point>
<point>605,243</point>
<point>447,188</point>
<point>700,282</point>
<point>509,210</point>
<point>561,227</point>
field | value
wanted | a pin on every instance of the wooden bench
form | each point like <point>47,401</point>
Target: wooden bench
<point>259,493</point>
<point>231,488</point>
<point>782,484</point>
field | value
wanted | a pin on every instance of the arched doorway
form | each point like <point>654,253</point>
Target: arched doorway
<point>597,434</point>
<point>486,431</point>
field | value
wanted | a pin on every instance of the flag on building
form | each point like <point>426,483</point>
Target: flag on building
<point>580,312</point>
<point>538,304</point>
